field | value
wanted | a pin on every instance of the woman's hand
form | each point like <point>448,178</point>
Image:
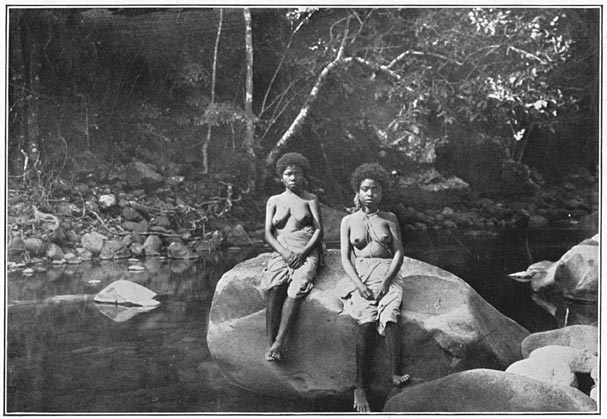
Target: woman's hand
<point>287,257</point>
<point>365,291</point>
<point>383,290</point>
<point>297,260</point>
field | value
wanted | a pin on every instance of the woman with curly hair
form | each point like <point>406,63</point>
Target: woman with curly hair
<point>371,255</point>
<point>293,228</point>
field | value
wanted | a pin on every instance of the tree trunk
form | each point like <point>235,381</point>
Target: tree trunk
<point>207,141</point>
<point>301,117</point>
<point>248,104</point>
<point>31,70</point>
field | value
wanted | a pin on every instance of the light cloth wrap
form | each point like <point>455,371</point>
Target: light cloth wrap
<point>372,271</point>
<point>277,272</point>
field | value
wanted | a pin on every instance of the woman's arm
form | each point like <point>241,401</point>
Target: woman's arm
<point>398,251</point>
<point>269,230</point>
<point>346,249</point>
<point>318,228</point>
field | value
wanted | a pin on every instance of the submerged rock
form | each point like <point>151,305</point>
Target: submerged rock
<point>445,327</point>
<point>489,391</point>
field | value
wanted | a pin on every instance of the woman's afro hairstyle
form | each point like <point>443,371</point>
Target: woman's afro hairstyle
<point>292,159</point>
<point>372,171</point>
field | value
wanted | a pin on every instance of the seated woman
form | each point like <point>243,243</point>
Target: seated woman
<point>371,255</point>
<point>293,228</point>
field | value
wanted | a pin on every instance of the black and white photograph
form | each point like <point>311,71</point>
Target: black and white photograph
<point>275,209</point>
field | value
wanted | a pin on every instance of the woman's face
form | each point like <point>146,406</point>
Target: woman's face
<point>293,178</point>
<point>370,193</point>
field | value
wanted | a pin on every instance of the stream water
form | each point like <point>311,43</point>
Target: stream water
<point>66,354</point>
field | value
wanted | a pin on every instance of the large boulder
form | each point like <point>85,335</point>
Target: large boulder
<point>489,391</point>
<point>445,327</point>
<point>577,273</point>
<point>582,337</point>
<point>579,360</point>
<point>545,369</point>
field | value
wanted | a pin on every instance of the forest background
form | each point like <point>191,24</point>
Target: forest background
<point>185,110</point>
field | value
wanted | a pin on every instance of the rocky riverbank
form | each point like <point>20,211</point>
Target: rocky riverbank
<point>136,212</point>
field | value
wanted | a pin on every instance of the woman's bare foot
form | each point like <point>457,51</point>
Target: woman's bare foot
<point>274,353</point>
<point>360,401</point>
<point>399,380</point>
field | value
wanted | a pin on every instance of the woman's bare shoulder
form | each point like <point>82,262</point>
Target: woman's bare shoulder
<point>347,219</point>
<point>309,196</point>
<point>274,199</point>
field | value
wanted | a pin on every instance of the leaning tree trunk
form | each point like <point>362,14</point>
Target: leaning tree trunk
<point>301,117</point>
<point>207,141</point>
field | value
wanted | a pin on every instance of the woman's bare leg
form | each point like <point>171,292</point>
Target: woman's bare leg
<point>290,309</point>
<point>393,350</point>
<point>364,351</point>
<point>276,300</point>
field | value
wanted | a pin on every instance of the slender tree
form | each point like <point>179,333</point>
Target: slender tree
<point>248,104</point>
<point>207,141</point>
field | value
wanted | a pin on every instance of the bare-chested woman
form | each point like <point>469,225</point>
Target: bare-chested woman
<point>371,255</point>
<point>293,228</point>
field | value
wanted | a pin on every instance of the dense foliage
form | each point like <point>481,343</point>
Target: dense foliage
<point>333,82</point>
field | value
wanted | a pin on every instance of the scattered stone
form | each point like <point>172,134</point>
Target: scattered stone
<point>177,250</point>
<point>114,249</point>
<point>141,226</point>
<point>578,336</point>
<point>488,391</point>
<point>137,249</point>
<point>35,246</point>
<point>83,253</point>
<point>107,201</point>
<point>93,242</point>
<point>54,252</point>
<point>162,221</point>
<point>139,174</point>
<point>152,245</point>
<point>131,214</point>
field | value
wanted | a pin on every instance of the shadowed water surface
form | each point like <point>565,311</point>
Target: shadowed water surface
<point>65,353</point>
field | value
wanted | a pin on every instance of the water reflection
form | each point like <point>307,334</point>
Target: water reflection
<point>67,354</point>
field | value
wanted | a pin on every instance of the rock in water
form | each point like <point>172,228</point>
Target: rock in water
<point>489,391</point>
<point>123,292</point>
<point>445,327</point>
<point>577,274</point>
